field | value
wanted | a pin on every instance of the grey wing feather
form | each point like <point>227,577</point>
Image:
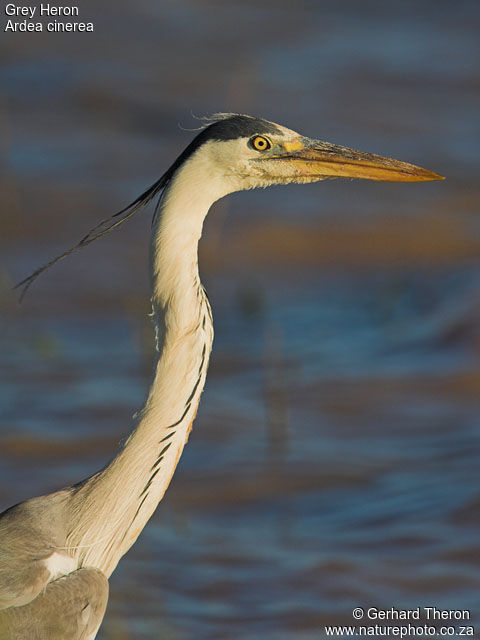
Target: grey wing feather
<point>32,605</point>
<point>29,533</point>
<point>69,608</point>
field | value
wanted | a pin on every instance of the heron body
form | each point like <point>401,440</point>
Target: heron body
<point>58,551</point>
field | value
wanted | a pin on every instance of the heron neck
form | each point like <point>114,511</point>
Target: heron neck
<point>124,495</point>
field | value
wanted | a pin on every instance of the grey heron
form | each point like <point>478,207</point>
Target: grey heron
<point>57,551</point>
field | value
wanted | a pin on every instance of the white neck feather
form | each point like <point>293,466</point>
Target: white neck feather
<point>111,508</point>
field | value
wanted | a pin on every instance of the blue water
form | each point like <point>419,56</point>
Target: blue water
<point>334,461</point>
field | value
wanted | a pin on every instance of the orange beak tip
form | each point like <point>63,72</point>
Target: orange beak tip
<point>433,176</point>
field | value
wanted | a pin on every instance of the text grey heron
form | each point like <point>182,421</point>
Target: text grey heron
<point>57,551</point>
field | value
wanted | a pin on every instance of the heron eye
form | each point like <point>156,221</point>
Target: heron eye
<point>260,143</point>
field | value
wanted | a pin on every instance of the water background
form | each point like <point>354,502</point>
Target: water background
<point>334,461</point>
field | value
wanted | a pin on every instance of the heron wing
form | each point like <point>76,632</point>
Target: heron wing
<point>30,533</point>
<point>69,608</point>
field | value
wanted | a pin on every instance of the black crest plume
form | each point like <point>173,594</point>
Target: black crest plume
<point>220,126</point>
<point>100,230</point>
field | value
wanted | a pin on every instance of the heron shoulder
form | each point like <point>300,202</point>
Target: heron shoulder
<point>30,533</point>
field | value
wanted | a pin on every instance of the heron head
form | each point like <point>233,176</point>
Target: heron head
<point>247,152</point>
<point>237,152</point>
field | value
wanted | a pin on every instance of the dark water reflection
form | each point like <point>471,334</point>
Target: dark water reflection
<point>335,458</point>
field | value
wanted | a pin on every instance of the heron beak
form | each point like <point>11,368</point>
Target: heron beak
<point>314,159</point>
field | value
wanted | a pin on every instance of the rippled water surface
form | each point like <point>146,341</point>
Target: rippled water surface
<point>334,461</point>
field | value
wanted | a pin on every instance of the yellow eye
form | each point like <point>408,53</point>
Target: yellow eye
<point>260,143</point>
